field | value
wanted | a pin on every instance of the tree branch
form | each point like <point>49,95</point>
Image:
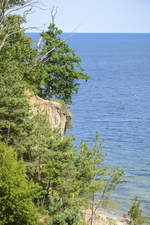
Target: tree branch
<point>3,41</point>
<point>53,14</point>
<point>37,62</point>
<point>11,33</point>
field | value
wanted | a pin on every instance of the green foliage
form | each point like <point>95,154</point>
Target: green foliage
<point>69,178</point>
<point>50,160</point>
<point>135,213</point>
<point>59,172</point>
<point>16,192</point>
<point>18,48</point>
<point>15,57</point>
<point>96,180</point>
<point>9,6</point>
<point>52,71</point>
<point>59,215</point>
<point>89,164</point>
<point>93,174</point>
<point>15,124</point>
<point>11,3</point>
<point>62,66</point>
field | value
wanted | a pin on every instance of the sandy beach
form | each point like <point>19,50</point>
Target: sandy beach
<point>102,218</point>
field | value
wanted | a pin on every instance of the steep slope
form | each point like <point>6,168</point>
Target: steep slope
<point>58,115</point>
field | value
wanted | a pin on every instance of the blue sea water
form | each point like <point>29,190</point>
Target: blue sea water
<point>116,103</point>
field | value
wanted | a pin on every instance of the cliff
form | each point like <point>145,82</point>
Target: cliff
<point>58,115</point>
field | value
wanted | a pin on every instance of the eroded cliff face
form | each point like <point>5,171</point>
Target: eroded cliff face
<point>58,115</point>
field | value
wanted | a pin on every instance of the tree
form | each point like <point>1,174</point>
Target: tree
<point>16,192</point>
<point>15,121</point>
<point>51,70</point>
<point>62,65</point>
<point>7,8</point>
<point>50,160</point>
<point>135,213</point>
<point>60,215</point>
<point>6,5</point>
<point>70,179</point>
<point>58,169</point>
<point>95,177</point>
<point>20,48</point>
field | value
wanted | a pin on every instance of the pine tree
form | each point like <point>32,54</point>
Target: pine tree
<point>59,215</point>
<point>50,160</point>
<point>15,122</point>
<point>135,213</point>
<point>96,179</point>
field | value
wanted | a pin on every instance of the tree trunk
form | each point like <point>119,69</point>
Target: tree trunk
<point>92,210</point>
<point>8,131</point>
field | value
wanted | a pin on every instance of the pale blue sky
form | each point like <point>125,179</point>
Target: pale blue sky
<point>113,16</point>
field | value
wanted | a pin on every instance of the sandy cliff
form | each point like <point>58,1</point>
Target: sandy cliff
<point>58,115</point>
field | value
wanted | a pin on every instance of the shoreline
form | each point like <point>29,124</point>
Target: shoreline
<point>103,217</point>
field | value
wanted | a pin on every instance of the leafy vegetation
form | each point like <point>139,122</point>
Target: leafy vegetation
<point>59,215</point>
<point>16,191</point>
<point>135,213</point>
<point>63,66</point>
<point>15,125</point>
<point>40,169</point>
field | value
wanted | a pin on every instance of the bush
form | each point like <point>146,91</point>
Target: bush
<point>16,193</point>
<point>59,215</point>
<point>135,213</point>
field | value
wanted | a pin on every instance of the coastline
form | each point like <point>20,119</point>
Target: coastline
<point>104,218</point>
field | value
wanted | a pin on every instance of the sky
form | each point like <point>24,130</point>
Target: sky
<point>94,16</point>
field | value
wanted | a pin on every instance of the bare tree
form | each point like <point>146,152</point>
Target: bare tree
<point>53,14</point>
<point>38,60</point>
<point>7,9</point>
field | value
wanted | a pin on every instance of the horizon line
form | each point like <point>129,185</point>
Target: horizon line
<point>97,32</point>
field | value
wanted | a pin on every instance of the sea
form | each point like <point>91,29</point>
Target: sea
<point>116,103</point>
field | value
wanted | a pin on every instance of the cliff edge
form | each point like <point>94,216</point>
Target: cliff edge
<point>58,115</point>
